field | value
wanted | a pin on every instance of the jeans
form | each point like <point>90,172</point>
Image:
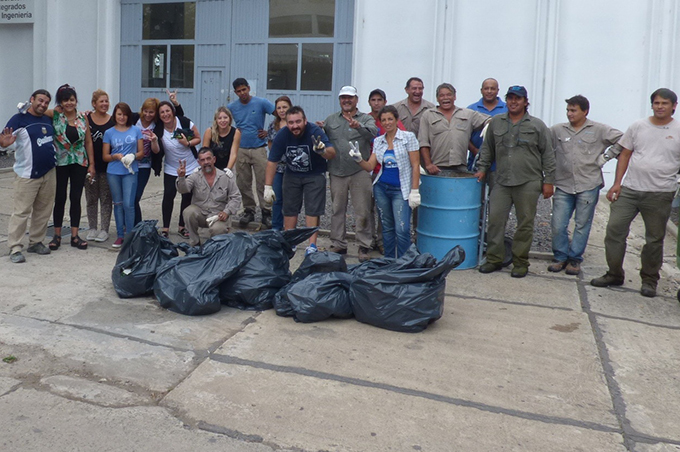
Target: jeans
<point>582,206</point>
<point>142,180</point>
<point>277,208</point>
<point>123,189</point>
<point>395,216</point>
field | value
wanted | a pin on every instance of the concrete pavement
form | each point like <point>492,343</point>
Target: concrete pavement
<point>544,363</point>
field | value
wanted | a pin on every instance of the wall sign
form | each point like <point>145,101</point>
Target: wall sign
<point>17,12</point>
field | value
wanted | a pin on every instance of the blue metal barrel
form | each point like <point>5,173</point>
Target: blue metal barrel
<point>449,215</point>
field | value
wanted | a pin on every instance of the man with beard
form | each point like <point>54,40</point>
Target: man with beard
<point>36,180</point>
<point>214,197</point>
<point>306,148</point>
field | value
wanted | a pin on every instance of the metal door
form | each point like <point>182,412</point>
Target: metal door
<point>211,96</point>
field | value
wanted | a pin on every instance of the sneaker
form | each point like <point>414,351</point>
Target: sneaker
<point>118,243</point>
<point>337,249</point>
<point>606,281</point>
<point>557,266</point>
<point>648,290</point>
<point>245,219</point>
<point>311,249</point>
<point>489,267</point>
<point>519,271</point>
<point>364,254</point>
<point>17,258</point>
<point>102,236</point>
<point>573,268</point>
<point>38,248</point>
<point>91,235</point>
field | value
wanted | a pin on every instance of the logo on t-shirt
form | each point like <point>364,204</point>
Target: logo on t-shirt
<point>298,158</point>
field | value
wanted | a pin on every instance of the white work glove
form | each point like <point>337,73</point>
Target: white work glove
<point>228,172</point>
<point>319,146</point>
<point>269,196</point>
<point>211,220</point>
<point>414,198</point>
<point>23,107</point>
<point>127,162</point>
<point>486,127</point>
<point>602,159</point>
<point>354,151</point>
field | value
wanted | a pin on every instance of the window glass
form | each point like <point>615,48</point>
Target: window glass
<point>181,66</point>
<point>154,65</point>
<point>301,18</point>
<point>282,66</point>
<point>169,20</point>
<point>317,67</point>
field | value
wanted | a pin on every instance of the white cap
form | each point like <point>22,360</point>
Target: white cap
<point>348,91</point>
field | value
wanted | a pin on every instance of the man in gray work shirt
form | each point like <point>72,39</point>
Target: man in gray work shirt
<point>350,125</point>
<point>520,145</point>
<point>580,146</point>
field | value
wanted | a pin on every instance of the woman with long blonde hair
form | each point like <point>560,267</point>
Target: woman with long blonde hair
<point>223,139</point>
<point>282,104</point>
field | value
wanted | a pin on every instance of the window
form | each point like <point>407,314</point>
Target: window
<point>300,52</point>
<point>168,65</point>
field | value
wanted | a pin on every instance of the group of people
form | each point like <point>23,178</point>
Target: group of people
<point>375,159</point>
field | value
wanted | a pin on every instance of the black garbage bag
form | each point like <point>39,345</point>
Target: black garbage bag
<point>190,284</point>
<point>321,296</point>
<point>321,262</point>
<point>411,259</point>
<point>257,282</point>
<point>400,296</point>
<point>143,252</point>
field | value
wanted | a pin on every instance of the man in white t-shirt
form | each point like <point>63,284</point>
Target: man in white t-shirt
<point>651,157</point>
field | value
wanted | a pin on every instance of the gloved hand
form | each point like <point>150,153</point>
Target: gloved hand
<point>354,151</point>
<point>269,196</point>
<point>228,172</point>
<point>319,146</point>
<point>23,106</point>
<point>602,159</point>
<point>127,162</point>
<point>414,198</point>
<point>211,220</point>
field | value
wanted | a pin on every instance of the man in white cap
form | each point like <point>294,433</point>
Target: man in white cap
<point>347,126</point>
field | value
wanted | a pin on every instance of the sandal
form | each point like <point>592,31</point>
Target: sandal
<point>79,243</point>
<point>164,233</point>
<point>55,243</point>
<point>183,232</point>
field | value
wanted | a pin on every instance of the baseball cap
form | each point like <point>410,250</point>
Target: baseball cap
<point>517,90</point>
<point>379,92</point>
<point>348,91</point>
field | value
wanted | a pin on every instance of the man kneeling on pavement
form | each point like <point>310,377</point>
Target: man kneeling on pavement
<point>214,197</point>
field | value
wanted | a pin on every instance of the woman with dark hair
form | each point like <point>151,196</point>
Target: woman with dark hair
<point>147,119</point>
<point>97,193</point>
<point>282,104</point>
<point>223,139</point>
<point>396,187</point>
<point>176,142</point>
<point>75,160</point>
<point>123,146</point>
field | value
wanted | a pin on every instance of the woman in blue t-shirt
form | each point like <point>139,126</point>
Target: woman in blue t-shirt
<point>123,146</point>
<point>395,188</point>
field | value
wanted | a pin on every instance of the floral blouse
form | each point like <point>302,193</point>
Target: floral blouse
<point>76,152</point>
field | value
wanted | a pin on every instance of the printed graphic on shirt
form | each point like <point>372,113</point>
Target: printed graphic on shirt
<point>298,158</point>
<point>389,161</point>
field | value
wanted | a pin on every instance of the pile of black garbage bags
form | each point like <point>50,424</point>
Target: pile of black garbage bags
<point>251,271</point>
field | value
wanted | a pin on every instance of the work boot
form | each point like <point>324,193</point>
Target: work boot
<point>266,220</point>
<point>337,249</point>
<point>245,219</point>
<point>648,290</point>
<point>573,268</point>
<point>607,280</point>
<point>489,267</point>
<point>364,254</point>
<point>38,248</point>
<point>519,271</point>
<point>557,266</point>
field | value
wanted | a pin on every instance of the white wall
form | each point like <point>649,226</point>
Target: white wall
<point>16,67</point>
